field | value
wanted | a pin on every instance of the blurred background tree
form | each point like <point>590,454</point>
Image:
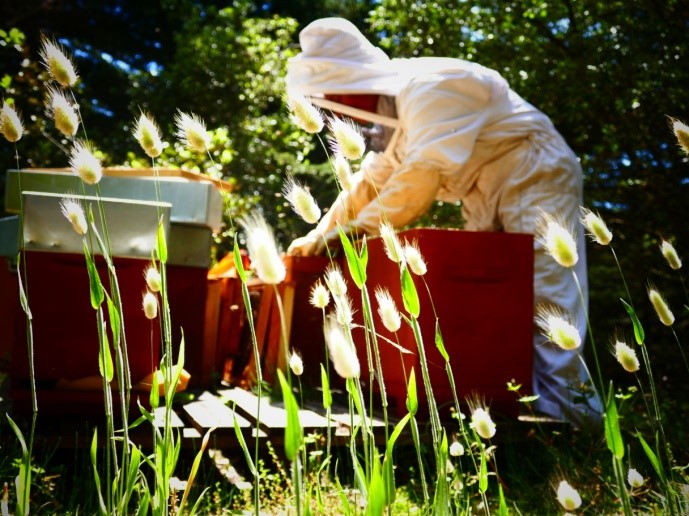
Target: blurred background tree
<point>608,72</point>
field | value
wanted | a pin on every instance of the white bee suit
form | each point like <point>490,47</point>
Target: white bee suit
<point>462,134</point>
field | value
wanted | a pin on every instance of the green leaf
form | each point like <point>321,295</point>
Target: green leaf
<point>325,385</point>
<point>24,478</point>
<point>293,431</point>
<point>357,269</point>
<point>97,293</point>
<point>639,334</point>
<point>502,508</point>
<point>115,321</point>
<point>154,395</point>
<point>388,461</point>
<point>105,365</point>
<point>613,435</point>
<point>439,342</point>
<point>441,500</point>
<point>651,457</point>
<point>412,397</point>
<point>194,468</point>
<point>240,437</point>
<point>409,295</point>
<point>22,293</point>
<point>94,463</point>
<point>238,263</point>
<point>483,474</point>
<point>161,244</point>
<point>376,491</point>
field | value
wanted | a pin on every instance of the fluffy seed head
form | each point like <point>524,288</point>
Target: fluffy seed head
<point>62,112</point>
<point>335,281</point>
<point>346,138</point>
<point>670,255</point>
<point>343,171</point>
<point>681,131</point>
<point>626,356</point>
<point>85,164</point>
<point>387,310</point>
<point>482,423</point>
<point>595,227</point>
<point>557,327</point>
<point>342,353</point>
<point>344,313</point>
<point>296,364</point>
<point>414,258</point>
<point>304,114</point>
<point>11,125</point>
<point>456,449</point>
<point>393,247</point>
<point>558,241</point>
<point>74,213</point>
<point>59,66</point>
<point>634,478</point>
<point>320,297</point>
<point>147,134</point>
<point>263,252</point>
<point>661,307</point>
<point>302,202</point>
<point>192,131</point>
<point>150,304</point>
<point>153,280</point>
<point>568,496</point>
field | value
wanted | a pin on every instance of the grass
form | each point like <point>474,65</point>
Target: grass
<point>415,472</point>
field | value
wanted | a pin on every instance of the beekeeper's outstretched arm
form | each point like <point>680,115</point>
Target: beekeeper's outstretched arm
<point>381,192</point>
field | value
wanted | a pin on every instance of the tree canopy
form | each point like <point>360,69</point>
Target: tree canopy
<point>608,72</point>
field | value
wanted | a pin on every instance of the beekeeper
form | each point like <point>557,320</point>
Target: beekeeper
<point>456,131</point>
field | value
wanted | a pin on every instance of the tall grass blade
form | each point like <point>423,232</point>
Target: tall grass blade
<point>439,342</point>
<point>410,296</point>
<point>652,457</point>
<point>96,287</point>
<point>94,463</point>
<point>23,299</point>
<point>613,435</point>
<point>388,461</point>
<point>105,364</point>
<point>412,396</point>
<point>194,469</point>
<point>161,243</point>
<point>639,333</point>
<point>154,396</point>
<point>325,385</point>
<point>242,443</point>
<point>23,484</point>
<point>441,500</point>
<point>293,431</point>
<point>238,263</point>
<point>376,491</point>
<point>357,268</point>
<point>115,320</point>
<point>502,507</point>
<point>346,506</point>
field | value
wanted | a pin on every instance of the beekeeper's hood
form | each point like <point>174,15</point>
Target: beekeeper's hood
<point>337,59</point>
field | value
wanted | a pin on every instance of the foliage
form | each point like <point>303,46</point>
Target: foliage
<point>607,73</point>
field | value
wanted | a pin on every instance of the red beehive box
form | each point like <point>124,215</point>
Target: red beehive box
<point>481,286</point>
<point>65,336</point>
